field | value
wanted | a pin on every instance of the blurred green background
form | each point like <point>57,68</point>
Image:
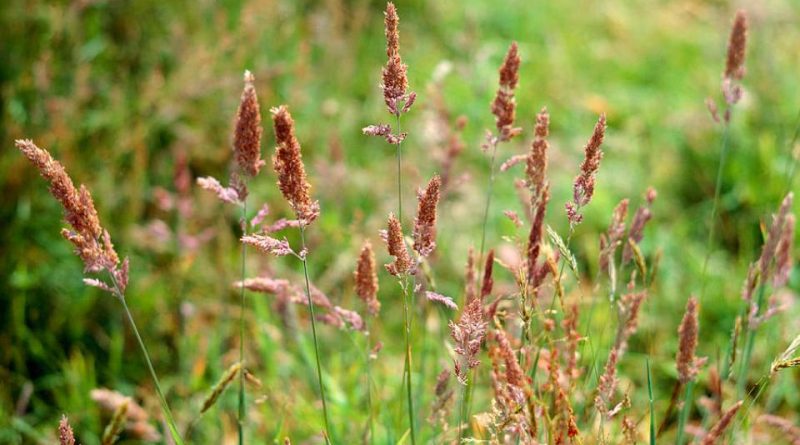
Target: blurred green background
<point>137,98</point>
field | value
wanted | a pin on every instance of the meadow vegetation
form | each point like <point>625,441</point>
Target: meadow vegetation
<point>441,222</point>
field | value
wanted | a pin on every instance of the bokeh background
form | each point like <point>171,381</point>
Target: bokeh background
<point>138,98</point>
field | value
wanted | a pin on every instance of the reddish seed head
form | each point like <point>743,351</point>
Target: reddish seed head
<point>488,280</point>
<point>536,163</point>
<point>583,188</point>
<point>504,105</point>
<point>397,248</point>
<point>535,236</point>
<point>737,47</point>
<point>247,137</point>
<point>425,222</point>
<point>91,241</point>
<point>65,435</point>
<point>686,361</point>
<point>288,164</point>
<point>716,432</point>
<point>366,279</point>
<point>394,78</point>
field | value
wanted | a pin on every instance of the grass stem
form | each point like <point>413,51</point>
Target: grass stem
<point>410,400</point>
<point>314,334</point>
<point>241,416</point>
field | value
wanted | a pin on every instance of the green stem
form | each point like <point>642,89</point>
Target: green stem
<point>748,346</point>
<point>241,416</point>
<point>717,190</point>
<point>410,400</point>
<point>652,411</point>
<point>369,386</point>
<point>173,428</point>
<point>685,410</point>
<point>314,334</point>
<point>399,157</point>
<point>489,191</point>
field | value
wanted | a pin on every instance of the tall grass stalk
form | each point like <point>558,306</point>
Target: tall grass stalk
<point>407,331</point>
<point>650,400</point>
<point>685,411</point>
<point>304,258</point>
<point>241,416</point>
<point>714,209</point>
<point>747,351</point>
<point>173,428</point>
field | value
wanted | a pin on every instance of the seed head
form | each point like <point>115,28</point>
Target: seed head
<point>65,435</point>
<point>397,248</point>
<point>488,281</point>
<point>504,104</point>
<point>288,164</point>
<point>737,47</point>
<point>468,335</point>
<point>716,432</point>
<point>583,188</point>
<point>394,78</point>
<point>247,137</point>
<point>536,162</point>
<point>425,222</point>
<point>686,361</point>
<point>92,243</point>
<point>536,233</point>
<point>367,279</point>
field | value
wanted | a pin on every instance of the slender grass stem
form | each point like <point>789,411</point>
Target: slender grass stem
<point>241,416</point>
<point>173,428</point>
<point>489,192</point>
<point>650,399</point>
<point>399,156</point>
<point>685,411</point>
<point>314,334</point>
<point>717,190</point>
<point>410,400</point>
<point>747,352</point>
<point>369,386</point>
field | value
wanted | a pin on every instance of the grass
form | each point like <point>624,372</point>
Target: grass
<point>117,91</point>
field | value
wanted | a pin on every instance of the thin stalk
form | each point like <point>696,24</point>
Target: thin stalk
<point>410,400</point>
<point>747,352</point>
<point>399,157</point>
<point>240,419</point>
<point>489,191</point>
<point>652,411</point>
<point>792,167</point>
<point>684,415</point>
<point>717,190</point>
<point>369,386</point>
<point>314,334</point>
<point>173,428</point>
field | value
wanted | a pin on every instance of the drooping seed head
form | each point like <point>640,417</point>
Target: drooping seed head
<point>288,164</point>
<point>91,241</point>
<point>488,280</point>
<point>247,137</point>
<point>366,279</point>
<point>716,432</point>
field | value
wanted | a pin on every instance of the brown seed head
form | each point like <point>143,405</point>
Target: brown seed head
<point>504,105</point>
<point>536,163</point>
<point>247,137</point>
<point>91,242</point>
<point>583,188</point>
<point>535,235</point>
<point>488,281</point>
<point>468,335</point>
<point>397,248</point>
<point>686,361</point>
<point>425,222</point>
<point>394,78</point>
<point>65,435</point>
<point>470,286</point>
<point>783,255</point>
<point>737,46</point>
<point>288,164</point>
<point>366,279</point>
<point>716,432</point>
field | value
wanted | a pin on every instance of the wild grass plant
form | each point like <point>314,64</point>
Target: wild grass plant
<point>561,328</point>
